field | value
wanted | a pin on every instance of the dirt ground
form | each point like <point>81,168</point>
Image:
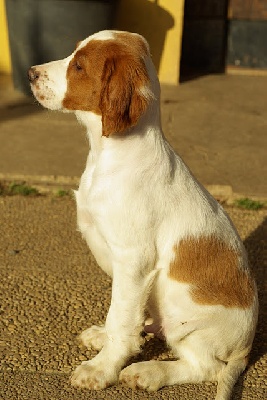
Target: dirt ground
<point>52,289</point>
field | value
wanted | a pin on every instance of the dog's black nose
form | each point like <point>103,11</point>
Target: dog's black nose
<point>33,74</point>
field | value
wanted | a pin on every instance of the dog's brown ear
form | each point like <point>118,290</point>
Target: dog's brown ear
<point>123,98</point>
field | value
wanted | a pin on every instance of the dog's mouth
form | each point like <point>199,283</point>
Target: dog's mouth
<point>45,89</point>
<point>45,96</point>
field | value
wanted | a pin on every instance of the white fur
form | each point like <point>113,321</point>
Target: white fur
<point>52,86</point>
<point>136,199</point>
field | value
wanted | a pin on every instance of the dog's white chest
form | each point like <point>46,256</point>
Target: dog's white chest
<point>89,227</point>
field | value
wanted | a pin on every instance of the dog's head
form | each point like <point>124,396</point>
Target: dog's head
<point>108,74</point>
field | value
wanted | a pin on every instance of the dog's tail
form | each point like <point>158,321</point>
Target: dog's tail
<point>228,377</point>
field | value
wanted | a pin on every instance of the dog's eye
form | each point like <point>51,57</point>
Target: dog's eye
<point>77,66</point>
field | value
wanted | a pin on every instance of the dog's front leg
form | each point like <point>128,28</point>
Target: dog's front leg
<point>124,323</point>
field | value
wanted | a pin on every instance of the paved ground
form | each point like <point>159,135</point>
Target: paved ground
<point>51,288</point>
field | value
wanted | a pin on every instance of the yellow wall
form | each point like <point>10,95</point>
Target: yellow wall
<point>5,64</point>
<point>160,21</point>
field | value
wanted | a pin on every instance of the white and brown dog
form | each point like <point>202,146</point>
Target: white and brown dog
<point>168,245</point>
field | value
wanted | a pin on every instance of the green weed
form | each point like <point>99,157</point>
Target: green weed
<point>62,193</point>
<point>22,189</point>
<point>249,204</point>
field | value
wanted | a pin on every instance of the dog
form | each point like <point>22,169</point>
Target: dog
<point>169,247</point>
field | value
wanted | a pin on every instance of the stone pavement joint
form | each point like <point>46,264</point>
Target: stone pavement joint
<point>46,184</point>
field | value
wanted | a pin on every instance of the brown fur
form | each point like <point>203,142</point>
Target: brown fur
<point>106,77</point>
<point>213,270</point>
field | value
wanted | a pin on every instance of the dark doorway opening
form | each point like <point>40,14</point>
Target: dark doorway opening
<point>204,38</point>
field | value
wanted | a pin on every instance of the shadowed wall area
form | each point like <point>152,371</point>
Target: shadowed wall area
<point>149,19</point>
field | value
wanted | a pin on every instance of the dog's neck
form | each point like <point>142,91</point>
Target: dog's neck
<point>149,125</point>
<point>93,124</point>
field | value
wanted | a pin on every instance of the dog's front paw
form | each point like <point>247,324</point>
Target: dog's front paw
<point>143,375</point>
<point>90,376</point>
<point>95,337</point>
